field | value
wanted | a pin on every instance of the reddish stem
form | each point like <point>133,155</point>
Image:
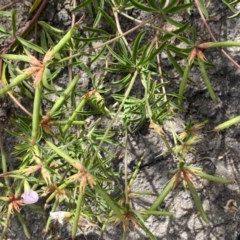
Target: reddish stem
<point>22,32</point>
<point>212,35</point>
<point>8,5</point>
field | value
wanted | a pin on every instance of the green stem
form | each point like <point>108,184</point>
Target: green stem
<point>55,205</point>
<point>114,117</point>
<point>24,226</point>
<point>36,113</point>
<point>110,202</point>
<point>6,225</point>
<point>126,169</point>
<point>16,57</point>
<point>124,237</point>
<point>197,201</point>
<point>62,154</point>
<point>65,39</point>
<point>77,214</point>
<point>14,83</point>
<point>61,123</point>
<point>74,115</point>
<point>227,124</point>
<point>206,80</point>
<point>4,161</point>
<point>161,197</point>
<point>219,44</point>
<point>63,97</point>
<point>183,83</point>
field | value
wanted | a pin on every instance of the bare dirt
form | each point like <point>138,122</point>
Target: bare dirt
<point>217,153</point>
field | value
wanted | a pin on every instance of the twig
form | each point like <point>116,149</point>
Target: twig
<point>111,40</point>
<point>23,31</point>
<point>70,49</point>
<point>119,29</point>
<point>8,5</point>
<point>14,40</point>
<point>19,104</point>
<point>212,35</point>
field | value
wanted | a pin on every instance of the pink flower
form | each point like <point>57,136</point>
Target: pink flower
<point>30,197</point>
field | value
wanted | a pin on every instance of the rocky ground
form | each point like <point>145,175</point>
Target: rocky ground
<point>218,153</point>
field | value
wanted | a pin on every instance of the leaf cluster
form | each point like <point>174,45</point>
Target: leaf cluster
<point>66,134</point>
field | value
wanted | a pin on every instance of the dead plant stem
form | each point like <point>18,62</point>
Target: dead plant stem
<point>212,35</point>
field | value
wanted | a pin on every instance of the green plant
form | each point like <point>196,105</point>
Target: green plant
<point>67,159</point>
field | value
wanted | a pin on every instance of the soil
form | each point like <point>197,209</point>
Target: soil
<point>217,153</point>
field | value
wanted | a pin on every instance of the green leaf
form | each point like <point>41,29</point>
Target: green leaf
<point>181,8</point>
<point>181,28</point>
<point>101,4</point>
<point>206,80</point>
<point>203,8</point>
<point>214,178</point>
<point>121,59</point>
<point>159,213</point>
<point>16,176</point>
<point>108,19</point>
<point>143,7</point>
<point>17,57</point>
<point>17,80</point>
<point>142,225</point>
<point>81,5</point>
<point>36,130</point>
<point>183,82</point>
<point>134,174</point>
<point>77,214</point>
<point>14,22</point>
<point>235,15</point>
<point>30,45</point>
<point>227,124</point>
<point>24,225</point>
<point>50,28</point>
<point>74,114</point>
<point>153,53</point>
<point>97,31</point>
<point>5,13</point>
<point>170,6</point>
<point>229,4</point>
<point>175,63</point>
<point>43,40</point>
<point>34,6</point>
<point>122,83</point>
<point>166,190</point>
<point>174,22</point>
<point>122,49</point>
<point>136,46</point>
<point>181,52</point>
<point>45,80</point>
<point>97,102</point>
<point>36,208</point>
<point>130,100</point>
<point>61,153</point>
<point>85,68</point>
<point>153,4</point>
<point>197,201</point>
<point>110,202</point>
<point>95,57</point>
<point>92,39</point>
<point>4,31</point>
<point>65,39</point>
<point>219,44</point>
<point>162,4</point>
<point>63,96</point>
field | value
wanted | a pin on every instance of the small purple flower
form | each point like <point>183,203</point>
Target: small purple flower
<point>30,197</point>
